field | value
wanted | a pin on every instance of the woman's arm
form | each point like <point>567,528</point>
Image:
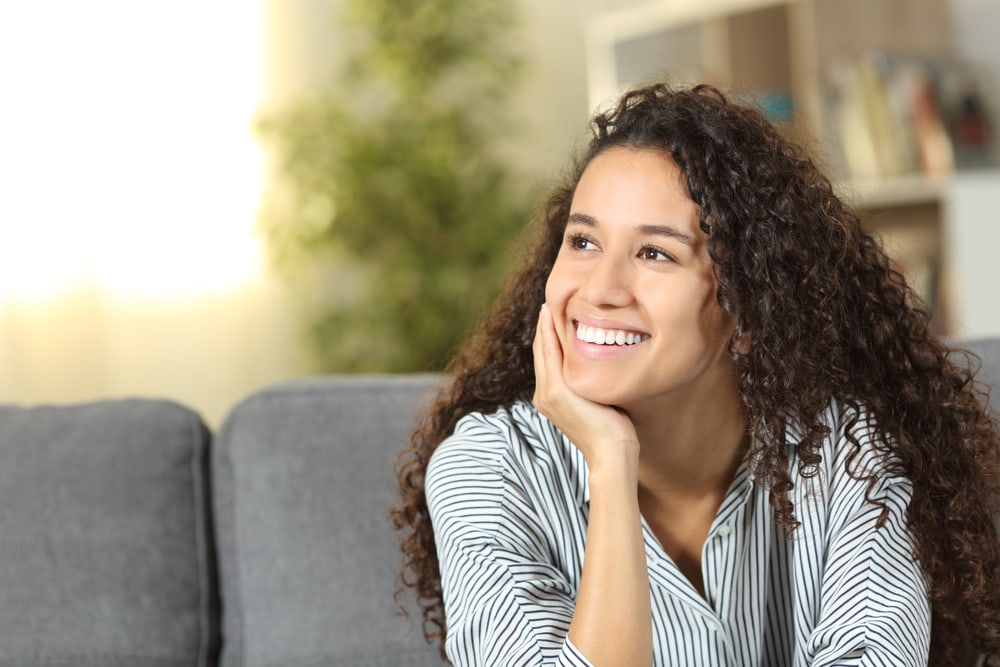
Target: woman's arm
<point>507,603</point>
<point>612,620</point>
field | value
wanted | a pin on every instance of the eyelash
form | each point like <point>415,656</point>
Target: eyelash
<point>577,241</point>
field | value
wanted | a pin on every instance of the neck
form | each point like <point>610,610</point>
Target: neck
<point>691,449</point>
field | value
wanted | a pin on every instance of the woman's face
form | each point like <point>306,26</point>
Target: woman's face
<point>632,290</point>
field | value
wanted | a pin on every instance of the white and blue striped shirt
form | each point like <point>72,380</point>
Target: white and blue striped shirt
<point>509,501</point>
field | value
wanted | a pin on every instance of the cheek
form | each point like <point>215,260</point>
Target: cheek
<point>719,323</point>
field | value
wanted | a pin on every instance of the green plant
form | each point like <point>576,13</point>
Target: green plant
<point>400,210</point>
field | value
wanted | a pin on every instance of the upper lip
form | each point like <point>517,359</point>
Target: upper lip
<point>607,325</point>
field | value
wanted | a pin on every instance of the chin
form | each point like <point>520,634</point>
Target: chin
<point>595,389</point>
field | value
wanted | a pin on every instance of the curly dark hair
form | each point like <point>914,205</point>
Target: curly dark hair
<point>826,317</point>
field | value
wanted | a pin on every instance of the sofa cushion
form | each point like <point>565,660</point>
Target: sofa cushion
<point>104,554</point>
<point>304,484</point>
<point>988,351</point>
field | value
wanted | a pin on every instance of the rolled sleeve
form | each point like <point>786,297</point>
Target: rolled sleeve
<point>874,604</point>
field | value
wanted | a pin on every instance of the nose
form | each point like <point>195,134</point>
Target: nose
<point>607,284</point>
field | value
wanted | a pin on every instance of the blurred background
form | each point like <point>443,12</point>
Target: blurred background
<point>198,199</point>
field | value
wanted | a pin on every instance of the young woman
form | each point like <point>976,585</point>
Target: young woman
<point>704,424</point>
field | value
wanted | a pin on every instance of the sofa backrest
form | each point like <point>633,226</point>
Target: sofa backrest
<point>303,487</point>
<point>988,350</point>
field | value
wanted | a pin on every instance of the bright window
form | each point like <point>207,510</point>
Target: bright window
<point>127,154</point>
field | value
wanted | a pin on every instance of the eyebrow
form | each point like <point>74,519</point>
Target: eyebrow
<point>658,230</point>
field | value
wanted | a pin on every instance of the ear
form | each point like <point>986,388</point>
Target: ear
<point>741,345</point>
<point>739,341</point>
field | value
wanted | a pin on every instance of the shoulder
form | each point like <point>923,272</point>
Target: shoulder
<point>488,435</point>
<point>855,459</point>
<point>509,467</point>
<point>859,445</point>
<point>487,447</point>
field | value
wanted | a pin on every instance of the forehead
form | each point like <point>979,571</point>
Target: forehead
<point>637,187</point>
<point>642,165</point>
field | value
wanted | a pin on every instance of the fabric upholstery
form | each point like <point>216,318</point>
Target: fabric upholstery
<point>104,551</point>
<point>304,484</point>
<point>988,350</point>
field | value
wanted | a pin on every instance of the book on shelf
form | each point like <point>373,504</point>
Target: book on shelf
<point>961,91</point>
<point>852,131</point>
<point>893,116</point>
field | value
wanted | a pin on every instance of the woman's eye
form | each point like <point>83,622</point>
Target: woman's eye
<point>579,242</point>
<point>654,254</point>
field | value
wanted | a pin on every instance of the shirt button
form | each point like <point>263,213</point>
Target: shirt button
<point>724,530</point>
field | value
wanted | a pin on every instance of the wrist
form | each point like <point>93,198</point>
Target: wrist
<point>614,464</point>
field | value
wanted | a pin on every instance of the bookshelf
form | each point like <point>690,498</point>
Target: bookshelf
<point>787,55</point>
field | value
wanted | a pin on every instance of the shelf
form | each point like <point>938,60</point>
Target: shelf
<point>693,36</point>
<point>655,16</point>
<point>900,191</point>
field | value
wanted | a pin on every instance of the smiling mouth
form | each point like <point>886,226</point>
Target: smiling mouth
<point>599,336</point>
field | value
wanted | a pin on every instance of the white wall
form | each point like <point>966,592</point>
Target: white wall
<point>553,100</point>
<point>972,209</point>
<point>130,175</point>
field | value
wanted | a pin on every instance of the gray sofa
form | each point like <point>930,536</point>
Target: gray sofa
<point>131,536</point>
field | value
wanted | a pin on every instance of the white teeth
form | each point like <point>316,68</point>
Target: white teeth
<point>608,336</point>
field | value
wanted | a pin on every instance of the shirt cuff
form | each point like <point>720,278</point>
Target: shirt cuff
<point>571,656</point>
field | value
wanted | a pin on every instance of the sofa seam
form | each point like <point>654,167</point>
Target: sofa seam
<point>222,458</point>
<point>202,508</point>
<point>197,521</point>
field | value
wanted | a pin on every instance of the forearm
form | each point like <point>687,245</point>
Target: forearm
<point>612,622</point>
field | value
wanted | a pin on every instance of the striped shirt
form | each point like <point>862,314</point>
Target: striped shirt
<point>509,501</point>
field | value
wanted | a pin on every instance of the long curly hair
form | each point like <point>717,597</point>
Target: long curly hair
<point>821,315</point>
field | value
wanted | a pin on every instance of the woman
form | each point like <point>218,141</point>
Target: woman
<point>705,423</point>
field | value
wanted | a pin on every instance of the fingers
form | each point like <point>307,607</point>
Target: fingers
<point>548,357</point>
<point>538,348</point>
<point>549,350</point>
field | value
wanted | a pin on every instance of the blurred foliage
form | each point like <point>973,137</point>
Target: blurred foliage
<point>399,211</point>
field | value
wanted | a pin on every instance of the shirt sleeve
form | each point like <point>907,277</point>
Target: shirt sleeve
<point>874,604</point>
<point>506,603</point>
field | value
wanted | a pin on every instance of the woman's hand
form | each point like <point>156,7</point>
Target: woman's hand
<point>597,430</point>
<point>612,621</point>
